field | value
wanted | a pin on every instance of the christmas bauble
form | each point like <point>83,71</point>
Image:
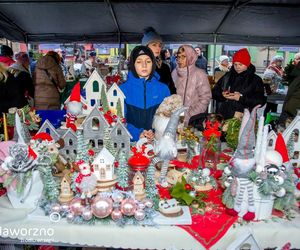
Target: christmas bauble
<point>102,206</point>
<point>128,207</point>
<point>64,207</point>
<point>141,206</point>
<point>279,179</point>
<point>226,184</point>
<point>280,193</point>
<point>205,172</point>
<point>148,203</point>
<point>139,214</point>
<point>227,171</point>
<point>87,213</point>
<point>55,208</point>
<point>76,207</point>
<point>258,181</point>
<point>192,193</point>
<point>70,217</point>
<point>117,197</point>
<point>116,215</point>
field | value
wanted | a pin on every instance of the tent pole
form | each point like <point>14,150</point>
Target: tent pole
<point>214,60</point>
<point>268,56</point>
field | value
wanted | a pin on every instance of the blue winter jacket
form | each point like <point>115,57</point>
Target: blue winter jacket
<point>142,99</point>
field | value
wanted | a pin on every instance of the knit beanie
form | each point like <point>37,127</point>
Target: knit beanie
<point>242,56</point>
<point>150,35</point>
<point>223,58</point>
<point>139,51</point>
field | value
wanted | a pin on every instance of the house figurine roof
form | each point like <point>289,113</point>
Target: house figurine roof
<point>53,132</point>
<point>66,178</point>
<point>104,153</point>
<point>94,76</point>
<point>95,112</point>
<point>137,175</point>
<point>113,87</point>
<point>293,125</point>
<point>120,124</point>
<point>271,136</point>
<point>69,131</point>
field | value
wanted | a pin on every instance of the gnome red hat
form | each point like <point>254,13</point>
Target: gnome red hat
<point>43,137</point>
<point>242,56</point>
<point>280,147</point>
<point>75,94</point>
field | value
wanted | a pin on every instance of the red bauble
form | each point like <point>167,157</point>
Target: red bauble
<point>298,186</point>
<point>188,187</point>
<point>91,152</point>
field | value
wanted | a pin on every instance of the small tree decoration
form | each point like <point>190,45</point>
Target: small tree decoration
<point>119,109</point>
<point>82,148</point>
<point>151,191</point>
<point>290,145</point>
<point>104,99</point>
<point>190,139</point>
<point>107,143</point>
<point>122,171</point>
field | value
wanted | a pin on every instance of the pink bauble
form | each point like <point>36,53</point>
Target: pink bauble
<point>87,213</point>
<point>64,207</point>
<point>102,206</point>
<point>55,208</point>
<point>76,207</point>
<point>117,197</point>
<point>70,217</point>
<point>116,215</point>
<point>139,214</point>
<point>128,207</point>
<point>141,206</point>
<point>148,203</point>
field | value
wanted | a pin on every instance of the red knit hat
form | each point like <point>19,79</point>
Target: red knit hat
<point>280,147</point>
<point>43,136</point>
<point>75,94</point>
<point>242,56</point>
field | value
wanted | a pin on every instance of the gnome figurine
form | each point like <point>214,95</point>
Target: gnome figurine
<point>74,107</point>
<point>243,161</point>
<point>166,148</point>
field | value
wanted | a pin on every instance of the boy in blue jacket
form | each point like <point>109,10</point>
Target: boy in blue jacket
<point>143,92</point>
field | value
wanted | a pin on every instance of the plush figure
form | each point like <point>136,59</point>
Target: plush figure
<point>86,181</point>
<point>74,107</point>
<point>242,163</point>
<point>166,148</point>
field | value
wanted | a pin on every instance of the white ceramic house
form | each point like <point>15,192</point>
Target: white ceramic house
<point>103,165</point>
<point>113,94</point>
<point>48,128</point>
<point>294,127</point>
<point>271,140</point>
<point>84,104</point>
<point>92,89</point>
<point>120,137</point>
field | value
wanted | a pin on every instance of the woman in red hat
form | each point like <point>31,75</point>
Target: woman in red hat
<point>239,88</point>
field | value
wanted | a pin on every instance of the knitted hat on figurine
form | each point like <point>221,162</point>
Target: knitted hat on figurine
<point>150,35</point>
<point>139,51</point>
<point>75,94</point>
<point>242,56</point>
<point>280,147</point>
<point>42,136</point>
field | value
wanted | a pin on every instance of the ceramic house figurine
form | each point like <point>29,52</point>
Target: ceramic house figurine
<point>66,193</point>
<point>69,150</point>
<point>120,137</point>
<point>113,95</point>
<point>271,139</point>
<point>92,89</point>
<point>138,186</point>
<point>48,128</point>
<point>93,127</point>
<point>103,166</point>
<point>293,130</point>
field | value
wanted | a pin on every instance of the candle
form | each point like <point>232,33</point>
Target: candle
<point>5,127</point>
<point>259,139</point>
<point>264,146</point>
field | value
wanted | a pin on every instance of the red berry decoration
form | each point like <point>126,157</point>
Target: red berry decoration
<point>124,120</point>
<point>108,112</point>
<point>298,186</point>
<point>101,109</point>
<point>188,187</point>
<point>27,122</point>
<point>91,152</point>
<point>116,164</point>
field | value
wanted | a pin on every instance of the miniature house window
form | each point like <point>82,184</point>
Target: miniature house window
<point>102,173</point>
<point>271,143</point>
<point>95,86</point>
<point>115,93</point>
<point>95,123</point>
<point>296,155</point>
<point>107,167</point>
<point>93,102</point>
<point>100,143</point>
<point>296,135</point>
<point>92,142</point>
<point>67,151</point>
<point>123,145</point>
<point>119,132</point>
<point>96,167</point>
<point>101,160</point>
<point>48,131</point>
<point>74,151</point>
<point>111,104</point>
<point>70,142</point>
<point>115,145</point>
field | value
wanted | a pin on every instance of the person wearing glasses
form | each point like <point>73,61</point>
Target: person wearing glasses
<point>192,85</point>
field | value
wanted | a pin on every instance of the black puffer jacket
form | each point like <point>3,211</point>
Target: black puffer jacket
<point>247,83</point>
